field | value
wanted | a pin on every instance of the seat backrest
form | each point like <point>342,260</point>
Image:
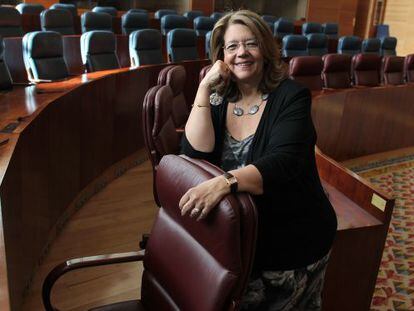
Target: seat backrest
<point>371,46</point>
<point>294,45</point>
<point>307,70</point>
<point>182,45</point>
<point>96,21</point>
<point>383,30</point>
<point>160,13</point>
<point>43,56</point>
<point>202,25</point>
<point>175,77</point>
<point>191,15</point>
<point>366,69</point>
<point>98,50</point>
<point>204,71</point>
<point>30,8</point>
<point>409,68</point>
<point>207,43</point>
<point>60,21</point>
<point>66,6</point>
<point>270,20</point>
<point>331,30</point>
<point>349,45</point>
<point>336,72</point>
<point>6,82</point>
<point>311,27</point>
<point>170,22</point>
<point>282,28</point>
<point>10,22</point>
<point>145,47</point>
<point>317,44</point>
<point>218,251</point>
<point>106,9</point>
<point>137,11</point>
<point>132,21</point>
<point>392,70</point>
<point>216,16</point>
<point>389,46</point>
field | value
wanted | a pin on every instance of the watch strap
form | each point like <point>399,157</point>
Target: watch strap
<point>231,181</point>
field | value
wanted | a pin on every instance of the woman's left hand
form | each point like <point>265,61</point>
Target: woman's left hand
<point>201,199</point>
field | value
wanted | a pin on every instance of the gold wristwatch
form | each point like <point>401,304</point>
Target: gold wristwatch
<point>231,181</point>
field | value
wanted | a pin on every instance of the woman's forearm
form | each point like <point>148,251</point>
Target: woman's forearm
<point>249,179</point>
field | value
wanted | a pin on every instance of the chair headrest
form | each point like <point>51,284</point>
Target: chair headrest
<point>349,43</point>
<point>203,23</point>
<point>43,44</point>
<point>305,66</point>
<point>393,64</point>
<point>216,15</point>
<point>182,37</point>
<point>389,43</point>
<point>311,28</point>
<point>175,77</point>
<point>365,62</point>
<point>317,40</point>
<point>98,42</point>
<point>97,20</point>
<point>330,28</point>
<point>371,45</point>
<point>146,39</point>
<point>137,11</point>
<point>160,13</point>
<point>135,20</point>
<point>66,6</point>
<point>56,18</point>
<point>29,8</point>
<point>10,17</point>
<point>336,63</point>
<point>106,9</point>
<point>190,15</point>
<point>173,21</point>
<point>295,42</point>
<point>409,62</point>
<point>270,18</point>
<point>284,26</point>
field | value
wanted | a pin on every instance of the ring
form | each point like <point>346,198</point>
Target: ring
<point>195,210</point>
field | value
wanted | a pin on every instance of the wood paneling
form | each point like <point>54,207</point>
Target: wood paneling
<point>399,15</point>
<point>363,18</point>
<point>207,6</point>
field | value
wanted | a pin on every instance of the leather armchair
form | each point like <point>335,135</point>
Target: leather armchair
<point>317,44</point>
<point>336,72</point>
<point>392,70</point>
<point>66,6</point>
<point>307,70</point>
<point>182,45</point>
<point>170,22</point>
<point>191,15</point>
<point>294,45</point>
<point>30,8</point>
<point>350,45</point>
<point>409,68</point>
<point>57,20</point>
<point>311,27</point>
<point>202,25</point>
<point>160,13</point>
<point>388,46</point>
<point>371,46</point>
<point>366,69</point>
<point>106,9</point>
<point>10,22</point>
<point>145,47</point>
<point>96,21</point>
<point>132,21</point>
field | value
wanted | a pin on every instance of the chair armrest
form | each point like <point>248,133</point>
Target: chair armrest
<point>80,263</point>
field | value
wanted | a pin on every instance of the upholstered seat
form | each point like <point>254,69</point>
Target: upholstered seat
<point>371,46</point>
<point>388,46</point>
<point>349,45</point>
<point>191,15</point>
<point>10,22</point>
<point>331,30</point>
<point>170,22</point>
<point>336,72</point>
<point>132,21</point>
<point>366,69</point>
<point>216,16</point>
<point>66,6</point>
<point>30,8</point>
<point>392,70</point>
<point>202,25</point>
<point>43,56</point>
<point>145,47</point>
<point>182,45</point>
<point>57,20</point>
<point>160,13</point>
<point>294,45</point>
<point>5,77</point>
<point>311,27</point>
<point>409,68</point>
<point>106,9</point>
<point>96,21</point>
<point>307,70</point>
<point>98,50</point>
<point>282,28</point>
<point>188,265</point>
<point>317,44</point>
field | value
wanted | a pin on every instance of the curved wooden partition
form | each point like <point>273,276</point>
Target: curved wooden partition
<point>363,121</point>
<point>56,141</point>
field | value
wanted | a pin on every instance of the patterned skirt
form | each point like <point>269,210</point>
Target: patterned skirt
<point>298,289</point>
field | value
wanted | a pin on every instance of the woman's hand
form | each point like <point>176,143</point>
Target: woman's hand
<point>201,199</point>
<point>217,78</point>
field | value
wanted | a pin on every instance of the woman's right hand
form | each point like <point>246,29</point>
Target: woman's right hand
<point>217,78</point>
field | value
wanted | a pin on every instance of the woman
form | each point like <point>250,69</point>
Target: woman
<point>262,135</point>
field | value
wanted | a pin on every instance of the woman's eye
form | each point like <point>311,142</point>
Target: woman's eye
<point>232,47</point>
<point>251,45</point>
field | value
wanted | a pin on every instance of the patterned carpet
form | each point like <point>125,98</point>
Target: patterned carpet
<point>395,284</point>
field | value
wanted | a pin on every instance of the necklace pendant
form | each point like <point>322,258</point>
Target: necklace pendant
<point>253,109</point>
<point>238,111</point>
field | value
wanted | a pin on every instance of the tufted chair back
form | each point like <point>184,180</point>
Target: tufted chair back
<point>175,76</point>
<point>106,9</point>
<point>30,8</point>
<point>311,27</point>
<point>409,68</point>
<point>294,45</point>
<point>66,6</point>
<point>145,47</point>
<point>191,15</point>
<point>392,70</point>
<point>282,28</point>
<point>98,50</point>
<point>317,44</point>
<point>5,77</point>
<point>371,46</point>
<point>10,22</point>
<point>202,25</point>
<point>336,72</point>
<point>160,13</point>
<point>388,46</point>
<point>182,45</point>
<point>60,21</point>
<point>331,30</point>
<point>350,45</point>
<point>43,56</point>
<point>307,70</point>
<point>132,21</point>
<point>170,22</point>
<point>96,21</point>
<point>366,69</point>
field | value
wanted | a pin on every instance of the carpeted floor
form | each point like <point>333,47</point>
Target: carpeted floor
<point>395,283</point>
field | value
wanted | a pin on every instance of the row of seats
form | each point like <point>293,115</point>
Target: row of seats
<point>282,27</point>
<point>336,71</point>
<point>317,44</point>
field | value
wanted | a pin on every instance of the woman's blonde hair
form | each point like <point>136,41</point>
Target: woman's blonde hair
<point>274,70</point>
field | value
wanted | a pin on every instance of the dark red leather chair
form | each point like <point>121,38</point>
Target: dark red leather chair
<point>188,265</point>
<point>392,70</point>
<point>409,68</point>
<point>160,135</point>
<point>174,76</point>
<point>307,70</point>
<point>204,71</point>
<point>366,69</point>
<point>336,72</point>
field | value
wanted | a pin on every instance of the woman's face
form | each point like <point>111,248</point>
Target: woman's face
<point>242,53</point>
